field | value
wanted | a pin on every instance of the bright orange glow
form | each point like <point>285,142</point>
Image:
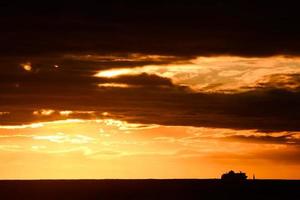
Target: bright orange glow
<point>110,148</point>
<point>114,73</point>
<point>117,85</point>
<point>26,66</point>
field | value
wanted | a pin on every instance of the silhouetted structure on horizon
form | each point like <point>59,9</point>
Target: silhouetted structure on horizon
<point>231,176</point>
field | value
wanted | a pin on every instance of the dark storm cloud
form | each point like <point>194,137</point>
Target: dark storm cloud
<point>291,81</point>
<point>140,80</point>
<point>156,100</point>
<point>249,28</point>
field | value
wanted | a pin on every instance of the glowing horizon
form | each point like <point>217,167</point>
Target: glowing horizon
<point>78,148</point>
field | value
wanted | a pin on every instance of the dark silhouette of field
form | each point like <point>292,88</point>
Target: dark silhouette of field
<point>147,189</point>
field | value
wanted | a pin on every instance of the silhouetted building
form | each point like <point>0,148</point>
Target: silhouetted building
<point>234,177</point>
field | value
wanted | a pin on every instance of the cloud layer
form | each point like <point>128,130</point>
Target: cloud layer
<point>271,105</point>
<point>49,62</point>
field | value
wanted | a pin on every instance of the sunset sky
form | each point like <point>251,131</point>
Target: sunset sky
<point>149,90</point>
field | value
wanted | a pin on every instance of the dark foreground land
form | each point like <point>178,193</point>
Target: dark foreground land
<point>147,189</point>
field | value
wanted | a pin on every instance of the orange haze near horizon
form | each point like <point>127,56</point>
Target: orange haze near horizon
<point>109,148</point>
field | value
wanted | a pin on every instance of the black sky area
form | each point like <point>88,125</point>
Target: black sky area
<point>248,28</point>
